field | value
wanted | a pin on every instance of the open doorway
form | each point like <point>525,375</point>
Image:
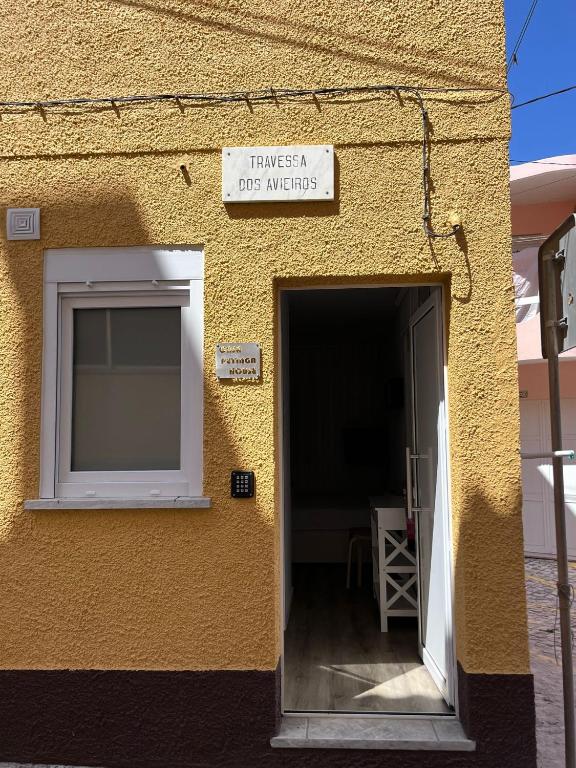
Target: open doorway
<point>367,592</point>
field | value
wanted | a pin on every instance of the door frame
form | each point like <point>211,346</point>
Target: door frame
<point>280,387</point>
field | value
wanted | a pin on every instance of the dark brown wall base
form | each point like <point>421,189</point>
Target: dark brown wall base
<point>498,712</point>
<point>124,719</point>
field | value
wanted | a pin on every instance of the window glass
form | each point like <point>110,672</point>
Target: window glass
<point>126,389</point>
<point>145,336</point>
<point>90,337</point>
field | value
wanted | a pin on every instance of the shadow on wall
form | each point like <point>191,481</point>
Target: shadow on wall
<point>76,574</point>
<point>23,315</point>
<point>77,577</point>
<point>483,535</point>
<point>496,709</point>
<point>280,30</point>
<point>462,284</point>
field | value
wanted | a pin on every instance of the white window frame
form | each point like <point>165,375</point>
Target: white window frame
<point>119,277</point>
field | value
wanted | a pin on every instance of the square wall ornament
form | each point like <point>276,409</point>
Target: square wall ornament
<point>23,223</point>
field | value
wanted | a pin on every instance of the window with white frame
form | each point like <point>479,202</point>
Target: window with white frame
<point>122,375</point>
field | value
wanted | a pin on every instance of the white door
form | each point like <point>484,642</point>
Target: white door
<point>430,492</point>
<point>538,531</point>
<point>568,409</point>
<point>537,484</point>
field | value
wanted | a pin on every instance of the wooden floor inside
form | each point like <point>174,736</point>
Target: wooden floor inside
<point>336,658</point>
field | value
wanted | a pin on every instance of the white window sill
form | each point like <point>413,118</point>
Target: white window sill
<point>374,732</point>
<point>166,502</point>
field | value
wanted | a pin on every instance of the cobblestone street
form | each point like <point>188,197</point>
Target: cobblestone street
<point>544,649</point>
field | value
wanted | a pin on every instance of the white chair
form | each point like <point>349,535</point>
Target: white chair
<point>357,538</point>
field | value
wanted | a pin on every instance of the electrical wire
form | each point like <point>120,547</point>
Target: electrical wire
<point>274,95</point>
<point>544,162</point>
<point>544,96</point>
<point>514,55</point>
<point>562,180</point>
<point>426,174</point>
<point>267,94</point>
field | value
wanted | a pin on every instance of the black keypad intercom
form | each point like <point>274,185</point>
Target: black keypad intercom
<point>242,484</point>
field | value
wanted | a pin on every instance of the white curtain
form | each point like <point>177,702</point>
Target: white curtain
<point>525,265</point>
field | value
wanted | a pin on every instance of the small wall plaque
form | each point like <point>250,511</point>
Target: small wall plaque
<point>272,174</point>
<point>238,360</point>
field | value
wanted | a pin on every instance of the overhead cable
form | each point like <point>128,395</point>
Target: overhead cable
<point>544,162</point>
<point>544,96</point>
<point>514,55</point>
<point>267,94</point>
<point>274,95</point>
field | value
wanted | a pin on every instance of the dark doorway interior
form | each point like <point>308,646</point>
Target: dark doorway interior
<point>348,417</point>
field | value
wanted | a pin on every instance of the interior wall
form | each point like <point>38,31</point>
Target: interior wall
<point>347,402</point>
<point>347,414</point>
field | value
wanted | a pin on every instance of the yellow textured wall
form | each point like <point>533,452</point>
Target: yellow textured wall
<point>199,589</point>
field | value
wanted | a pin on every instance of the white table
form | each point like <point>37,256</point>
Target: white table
<point>394,571</point>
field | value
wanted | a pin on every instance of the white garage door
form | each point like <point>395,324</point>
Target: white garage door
<point>538,495</point>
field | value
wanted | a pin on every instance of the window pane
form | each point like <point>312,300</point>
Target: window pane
<point>156,342</point>
<point>126,389</point>
<point>90,337</point>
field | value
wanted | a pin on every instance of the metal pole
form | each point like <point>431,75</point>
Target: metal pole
<point>563,585</point>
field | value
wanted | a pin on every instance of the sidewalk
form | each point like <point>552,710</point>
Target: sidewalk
<point>544,638</point>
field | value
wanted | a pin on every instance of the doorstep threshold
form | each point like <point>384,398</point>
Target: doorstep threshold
<point>381,732</point>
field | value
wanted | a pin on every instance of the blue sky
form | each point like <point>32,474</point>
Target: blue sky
<point>546,62</point>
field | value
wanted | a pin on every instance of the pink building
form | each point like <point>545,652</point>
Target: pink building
<point>543,194</point>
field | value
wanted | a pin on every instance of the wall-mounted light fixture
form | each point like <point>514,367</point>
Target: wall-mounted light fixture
<point>455,220</point>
